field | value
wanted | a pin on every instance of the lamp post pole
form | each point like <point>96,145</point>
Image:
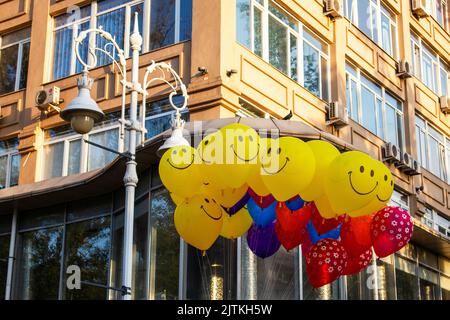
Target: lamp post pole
<point>131,179</point>
<point>83,111</point>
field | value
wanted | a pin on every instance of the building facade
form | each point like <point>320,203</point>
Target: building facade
<point>61,201</point>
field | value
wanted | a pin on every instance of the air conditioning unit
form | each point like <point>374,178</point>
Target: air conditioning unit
<point>444,103</point>
<point>333,9</point>
<point>337,115</point>
<point>391,153</point>
<point>404,69</point>
<point>413,169</point>
<point>419,8</point>
<point>48,99</point>
<point>405,161</point>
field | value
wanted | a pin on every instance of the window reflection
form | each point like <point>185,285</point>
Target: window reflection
<point>406,279</point>
<point>38,264</point>
<point>275,277</point>
<point>87,246</point>
<point>386,279</point>
<point>212,275</point>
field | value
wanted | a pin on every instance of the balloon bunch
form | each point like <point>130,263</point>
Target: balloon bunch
<point>284,191</point>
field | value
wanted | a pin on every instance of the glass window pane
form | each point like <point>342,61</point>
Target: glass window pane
<point>243,22</point>
<point>73,16</point>
<point>324,78</point>
<point>185,20</point>
<point>15,170</point>
<point>368,109</point>
<point>90,207</point>
<point>3,171</point>
<point>162,28</point>
<point>99,158</point>
<point>38,264</point>
<point>8,68</point>
<point>273,8</point>
<point>87,246</point>
<point>104,5</point>
<point>257,26</point>
<point>165,247</point>
<point>444,82</point>
<point>114,23</point>
<point>380,120</point>
<point>74,157</point>
<point>293,54</point>
<point>278,45</point>
<point>360,286</point>
<point>24,68</point>
<point>260,282</point>
<point>355,102</point>
<point>139,9</point>
<point>53,163</point>
<point>83,47</point>
<point>386,279</point>
<point>445,287</point>
<point>4,254</point>
<point>212,276</point>
<point>406,279</point>
<point>62,57</point>
<point>435,153</point>
<point>5,223</point>
<point>44,217</point>
<point>364,22</point>
<point>429,289</point>
<point>391,125</point>
<point>311,69</point>
<point>386,41</point>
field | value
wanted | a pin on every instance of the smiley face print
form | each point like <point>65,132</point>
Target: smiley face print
<point>351,181</point>
<point>179,172</point>
<point>287,167</point>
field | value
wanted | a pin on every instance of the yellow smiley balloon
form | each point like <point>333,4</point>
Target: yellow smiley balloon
<point>324,153</point>
<point>256,183</point>
<point>324,208</point>
<point>383,194</point>
<point>236,225</point>
<point>179,171</point>
<point>241,153</point>
<point>199,221</point>
<point>350,181</point>
<point>230,196</point>
<point>288,167</point>
<point>176,199</point>
<point>210,152</point>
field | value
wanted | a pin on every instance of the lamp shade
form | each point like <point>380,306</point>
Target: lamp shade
<point>175,140</point>
<point>83,111</point>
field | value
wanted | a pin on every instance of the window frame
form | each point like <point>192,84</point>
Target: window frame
<point>92,18</point>
<point>290,31</point>
<point>10,154</point>
<point>438,65</point>
<point>352,15</point>
<point>20,44</point>
<point>358,79</point>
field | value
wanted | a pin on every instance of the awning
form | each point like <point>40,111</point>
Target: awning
<point>63,189</point>
<point>431,239</point>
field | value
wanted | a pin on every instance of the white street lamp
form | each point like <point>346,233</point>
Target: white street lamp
<point>83,111</point>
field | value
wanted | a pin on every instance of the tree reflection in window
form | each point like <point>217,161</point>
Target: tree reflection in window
<point>88,246</point>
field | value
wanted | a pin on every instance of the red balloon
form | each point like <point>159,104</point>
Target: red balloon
<point>293,221</point>
<point>288,239</point>
<point>306,246</point>
<point>355,234</point>
<point>325,262</point>
<point>391,230</point>
<point>261,201</point>
<point>359,262</point>
<point>321,224</point>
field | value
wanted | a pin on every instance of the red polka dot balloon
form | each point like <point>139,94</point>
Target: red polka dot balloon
<point>359,262</point>
<point>391,230</point>
<point>325,262</point>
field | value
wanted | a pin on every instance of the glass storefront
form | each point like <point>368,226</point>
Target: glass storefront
<point>89,234</point>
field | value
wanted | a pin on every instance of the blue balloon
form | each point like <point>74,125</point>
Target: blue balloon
<point>296,204</point>
<point>262,216</point>
<point>315,237</point>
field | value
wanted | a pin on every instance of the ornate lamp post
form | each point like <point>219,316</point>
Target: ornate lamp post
<point>83,111</point>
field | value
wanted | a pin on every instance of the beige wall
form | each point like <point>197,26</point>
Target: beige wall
<point>216,95</point>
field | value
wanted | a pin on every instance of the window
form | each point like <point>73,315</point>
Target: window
<point>399,199</point>
<point>374,107</point>
<point>429,67</point>
<point>436,221</point>
<point>269,32</point>
<point>14,53</point>
<point>376,21</point>
<point>433,149</point>
<point>65,153</point>
<point>170,21</point>
<point>9,163</point>
<point>438,10</point>
<point>5,236</point>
